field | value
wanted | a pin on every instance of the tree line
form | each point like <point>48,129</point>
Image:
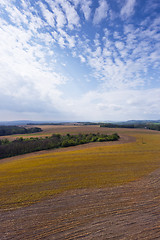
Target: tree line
<point>152,126</point>
<point>22,146</point>
<point>11,130</point>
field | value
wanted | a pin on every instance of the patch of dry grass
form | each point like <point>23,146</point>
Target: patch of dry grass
<point>27,180</point>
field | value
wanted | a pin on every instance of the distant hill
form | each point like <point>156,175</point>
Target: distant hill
<point>26,122</point>
<point>15,123</point>
<point>141,121</point>
<point>30,122</point>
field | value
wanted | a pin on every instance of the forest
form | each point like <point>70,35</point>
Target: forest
<point>22,146</point>
<point>11,130</point>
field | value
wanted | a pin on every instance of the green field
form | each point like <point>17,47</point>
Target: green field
<point>24,181</point>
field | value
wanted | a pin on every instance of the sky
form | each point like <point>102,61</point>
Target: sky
<point>79,60</point>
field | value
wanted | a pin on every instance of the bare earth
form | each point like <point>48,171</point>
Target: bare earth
<point>131,211</point>
<point>127,212</point>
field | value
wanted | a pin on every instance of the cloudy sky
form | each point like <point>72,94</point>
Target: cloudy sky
<point>79,60</point>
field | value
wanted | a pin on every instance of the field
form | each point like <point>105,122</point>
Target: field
<point>63,193</point>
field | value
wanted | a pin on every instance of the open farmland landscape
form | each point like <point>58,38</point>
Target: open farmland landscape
<point>106,190</point>
<point>80,120</point>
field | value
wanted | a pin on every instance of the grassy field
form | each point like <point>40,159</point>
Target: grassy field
<point>24,181</point>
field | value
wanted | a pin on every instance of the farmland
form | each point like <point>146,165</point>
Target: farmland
<point>86,182</point>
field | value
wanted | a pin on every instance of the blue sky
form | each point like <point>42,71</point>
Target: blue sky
<point>79,60</point>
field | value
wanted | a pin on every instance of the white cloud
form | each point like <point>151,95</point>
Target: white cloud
<point>71,41</point>
<point>116,35</point>
<point>118,105</point>
<point>121,64</point>
<point>2,2</point>
<point>82,58</point>
<point>128,9</point>
<point>60,18</point>
<point>101,12</point>
<point>97,40</point>
<point>59,15</point>
<point>28,77</point>
<point>128,28</point>
<point>64,39</point>
<point>61,42</point>
<point>24,4</point>
<point>119,45</point>
<point>116,58</point>
<point>156,22</point>
<point>72,16</point>
<point>47,15</point>
<point>16,16</point>
<point>86,8</point>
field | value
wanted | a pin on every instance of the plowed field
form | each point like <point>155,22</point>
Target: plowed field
<point>94,191</point>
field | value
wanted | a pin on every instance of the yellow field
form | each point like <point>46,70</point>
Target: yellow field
<point>24,181</point>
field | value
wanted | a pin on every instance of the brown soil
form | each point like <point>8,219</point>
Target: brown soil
<point>131,211</point>
<point>127,212</point>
